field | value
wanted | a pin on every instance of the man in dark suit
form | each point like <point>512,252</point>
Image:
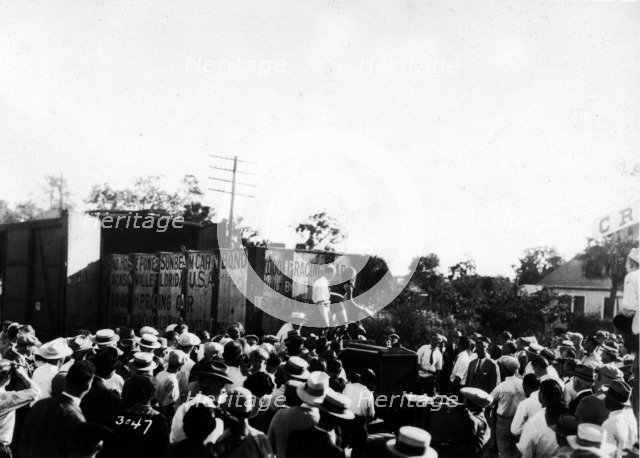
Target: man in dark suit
<point>46,429</point>
<point>592,408</point>
<point>483,372</point>
<point>582,383</point>
<point>102,404</point>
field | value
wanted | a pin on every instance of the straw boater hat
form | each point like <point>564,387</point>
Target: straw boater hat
<point>411,442</point>
<point>149,341</point>
<point>477,396</point>
<point>148,330</point>
<point>296,368</point>
<point>337,404</point>
<point>240,403</point>
<point>298,317</point>
<point>315,388</point>
<point>142,362</point>
<point>105,337</point>
<point>591,437</point>
<point>56,349</point>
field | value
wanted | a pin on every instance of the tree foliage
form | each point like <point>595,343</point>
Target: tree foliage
<point>320,232</point>
<point>148,194</point>
<point>536,263</point>
<point>607,259</point>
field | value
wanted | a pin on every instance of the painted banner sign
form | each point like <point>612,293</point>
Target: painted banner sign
<point>232,290</point>
<point>202,288</point>
<point>118,268</point>
<point>144,301</point>
<point>617,220</point>
<point>169,288</point>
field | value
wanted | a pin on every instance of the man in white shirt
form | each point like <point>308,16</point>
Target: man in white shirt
<point>536,439</point>
<point>10,401</point>
<point>430,365</point>
<point>460,367</point>
<point>320,294</point>
<point>630,298</point>
<point>53,353</point>
<point>506,397</point>
<point>527,408</point>
<point>621,426</point>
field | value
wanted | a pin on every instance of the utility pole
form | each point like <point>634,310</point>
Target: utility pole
<point>60,192</point>
<point>234,171</point>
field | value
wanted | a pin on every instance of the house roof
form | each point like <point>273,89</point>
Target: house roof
<point>569,275</point>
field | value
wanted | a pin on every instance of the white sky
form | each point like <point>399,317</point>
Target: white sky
<point>471,128</point>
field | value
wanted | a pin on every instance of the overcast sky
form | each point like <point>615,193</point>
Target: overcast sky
<point>469,129</point>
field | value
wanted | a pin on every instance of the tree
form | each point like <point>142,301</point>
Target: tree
<point>23,211</point>
<point>57,189</point>
<point>320,232</point>
<point>147,194</point>
<point>461,269</point>
<point>536,263</point>
<point>607,259</point>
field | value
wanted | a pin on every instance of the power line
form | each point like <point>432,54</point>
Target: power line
<point>229,192</point>
<point>231,170</point>
<point>230,181</point>
<point>231,159</point>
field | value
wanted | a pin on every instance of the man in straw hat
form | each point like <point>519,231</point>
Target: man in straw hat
<point>320,440</point>
<point>506,397</point>
<point>171,390</point>
<point>239,439</point>
<point>101,404</point>
<point>621,426</point>
<point>301,417</point>
<point>477,431</point>
<point>53,353</point>
<point>629,306</point>
<point>209,379</point>
<point>294,324</point>
<point>411,442</point>
<point>592,438</point>
<point>320,294</point>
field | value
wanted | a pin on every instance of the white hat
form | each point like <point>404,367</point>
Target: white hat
<point>212,349</point>
<point>633,254</point>
<point>149,341</point>
<point>188,340</point>
<point>313,391</point>
<point>171,327</point>
<point>142,362</point>
<point>591,437</point>
<point>105,337</point>
<point>411,442</point>
<point>56,349</point>
<point>148,330</point>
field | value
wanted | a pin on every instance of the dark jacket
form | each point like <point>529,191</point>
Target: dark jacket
<point>101,404</point>
<point>311,443</point>
<point>45,431</point>
<point>573,405</point>
<point>591,409</point>
<point>486,377</point>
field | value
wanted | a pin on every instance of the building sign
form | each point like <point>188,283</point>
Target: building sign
<point>169,302</point>
<point>202,289</point>
<point>616,221</point>
<point>118,267</point>
<point>144,301</point>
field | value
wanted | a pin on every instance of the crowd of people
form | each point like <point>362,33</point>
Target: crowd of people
<point>118,393</point>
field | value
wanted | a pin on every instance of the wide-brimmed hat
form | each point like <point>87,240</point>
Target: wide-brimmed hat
<point>548,354</point>
<point>296,368</point>
<point>610,371</point>
<point>566,344</point>
<point>411,442</point>
<point>337,405</point>
<point>105,337</point>
<point>477,396</point>
<point>148,330</point>
<point>583,371</point>
<point>591,437</point>
<point>206,368</point>
<point>298,317</point>
<point>634,255</point>
<point>314,389</point>
<point>143,362</point>
<point>56,349</point>
<point>149,341</point>
<point>80,343</point>
<point>619,392</point>
<point>240,403</point>
<point>534,348</point>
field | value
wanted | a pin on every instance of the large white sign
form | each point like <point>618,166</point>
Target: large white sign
<point>617,220</point>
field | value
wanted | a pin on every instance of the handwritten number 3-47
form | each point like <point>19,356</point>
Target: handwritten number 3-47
<point>134,424</point>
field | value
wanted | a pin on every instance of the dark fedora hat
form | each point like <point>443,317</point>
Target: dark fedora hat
<point>619,392</point>
<point>210,369</point>
<point>583,371</point>
<point>567,425</point>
